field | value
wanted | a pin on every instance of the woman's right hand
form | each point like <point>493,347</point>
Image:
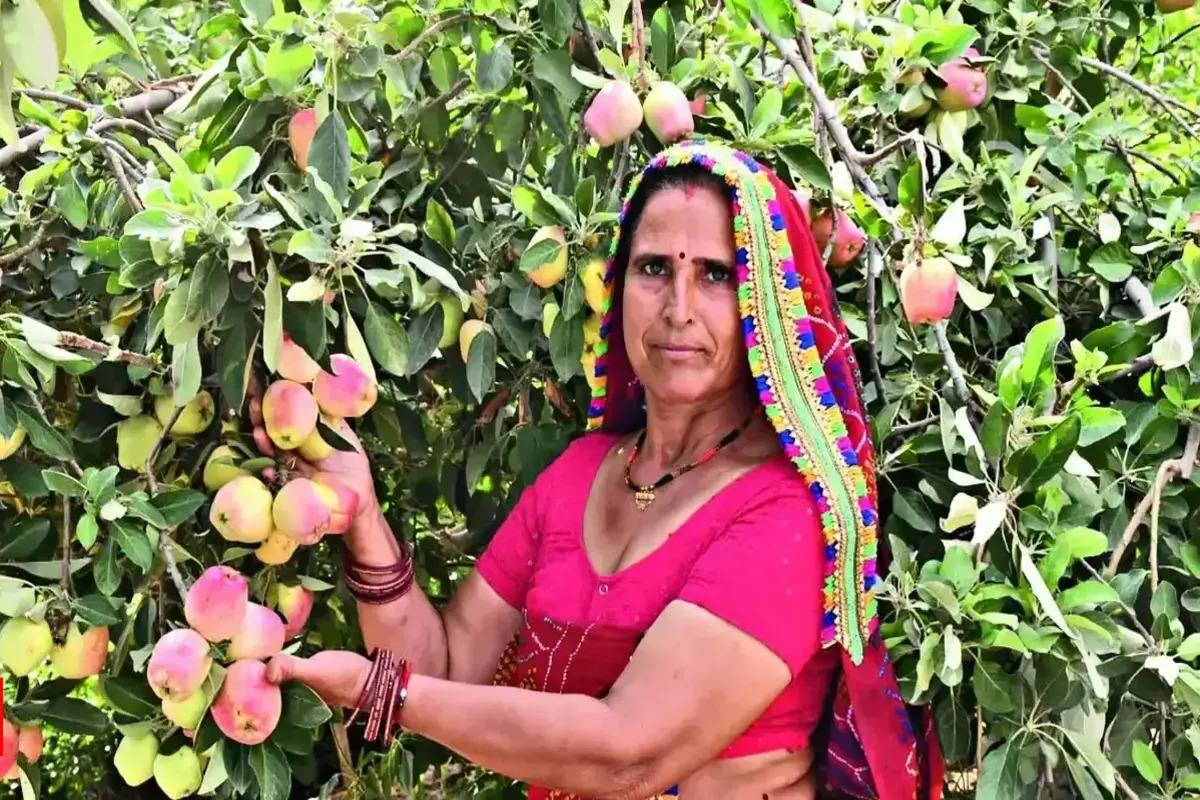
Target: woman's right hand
<point>353,468</point>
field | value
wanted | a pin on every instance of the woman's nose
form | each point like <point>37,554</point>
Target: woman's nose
<point>681,303</point>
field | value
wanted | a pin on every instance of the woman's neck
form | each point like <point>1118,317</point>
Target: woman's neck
<point>680,433</point>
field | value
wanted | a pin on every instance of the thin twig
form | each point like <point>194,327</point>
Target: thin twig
<point>15,255</point>
<point>114,163</point>
<point>432,30</point>
<point>64,578</point>
<point>78,341</point>
<point>912,427</point>
<point>1129,793</point>
<point>1183,467</point>
<point>1137,184</point>
<point>55,97</point>
<point>956,373</point>
<point>1168,103</point>
<point>620,164</point>
<point>1151,160</point>
<point>126,124</point>
<point>874,275</point>
<point>446,96</point>
<point>588,36</point>
<point>164,537</point>
<point>1045,62</point>
<point>867,159</point>
<point>1175,39</point>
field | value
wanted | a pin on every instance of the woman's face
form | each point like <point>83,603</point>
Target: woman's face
<point>680,313</point>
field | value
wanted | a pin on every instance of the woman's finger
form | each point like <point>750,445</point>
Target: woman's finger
<point>284,668</point>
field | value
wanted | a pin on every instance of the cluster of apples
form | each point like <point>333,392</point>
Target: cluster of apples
<point>303,510</point>
<point>247,707</point>
<point>137,435</point>
<point>25,645</point>
<point>965,86</point>
<point>615,113</point>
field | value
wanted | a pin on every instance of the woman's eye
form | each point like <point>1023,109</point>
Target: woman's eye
<point>654,269</point>
<point>719,275</point>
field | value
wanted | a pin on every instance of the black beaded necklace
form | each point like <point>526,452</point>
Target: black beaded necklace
<point>643,496</point>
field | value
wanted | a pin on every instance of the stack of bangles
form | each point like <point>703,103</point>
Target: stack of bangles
<point>383,695</point>
<point>378,585</point>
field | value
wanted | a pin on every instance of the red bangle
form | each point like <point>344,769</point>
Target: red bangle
<point>396,579</point>
<point>383,696</point>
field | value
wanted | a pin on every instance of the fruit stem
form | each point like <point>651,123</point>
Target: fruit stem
<point>164,537</point>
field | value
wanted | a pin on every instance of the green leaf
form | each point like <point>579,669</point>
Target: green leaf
<point>1000,777</point>
<point>236,167</point>
<point>287,66</point>
<point>443,68</point>
<point>1098,423</point>
<point>24,538</point>
<point>386,339</point>
<point>662,39</point>
<point>541,253</point>
<point>1189,648</point>
<point>311,245</point>
<point>1147,763</point>
<point>1040,345</point>
<point>237,764</point>
<point>134,543</point>
<point>271,770</point>
<point>303,708</point>
<point>96,610</point>
<point>1087,593</point>
<point>515,336</point>
<point>439,226</point>
<point>557,18</point>
<point>1113,262</point>
<point>1039,462</point>
<point>116,23</point>
<point>356,346</point>
<point>41,435</point>
<point>481,364</point>
<point>63,484</point>
<point>424,333</point>
<point>8,122</point>
<point>330,155</point>
<point>767,112</point>
<point>178,325</point>
<point>185,370</point>
<point>178,505</point>
<point>493,69</point>
<point>87,530</point>
<point>777,15</point>
<point>566,347</point>
<point>31,41</point>
<point>71,195</point>
<point>107,569</point>
<point>72,715</point>
<point>233,361</point>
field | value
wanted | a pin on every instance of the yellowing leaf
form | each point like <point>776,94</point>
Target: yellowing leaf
<point>973,298</point>
<point>963,510</point>
<point>988,520</point>
<point>951,228</point>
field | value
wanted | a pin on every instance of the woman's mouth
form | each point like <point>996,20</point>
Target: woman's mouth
<point>678,352</point>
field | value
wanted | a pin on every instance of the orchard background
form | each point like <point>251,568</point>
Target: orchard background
<point>1037,448</point>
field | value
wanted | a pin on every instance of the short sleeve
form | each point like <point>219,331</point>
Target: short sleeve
<point>507,562</point>
<point>762,573</point>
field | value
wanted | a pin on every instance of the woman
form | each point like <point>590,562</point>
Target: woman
<point>689,599</point>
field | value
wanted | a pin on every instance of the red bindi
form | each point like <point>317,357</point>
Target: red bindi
<point>682,255</point>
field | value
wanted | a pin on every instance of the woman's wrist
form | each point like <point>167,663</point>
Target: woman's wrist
<point>370,540</point>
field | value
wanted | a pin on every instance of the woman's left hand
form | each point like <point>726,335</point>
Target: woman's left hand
<point>338,676</point>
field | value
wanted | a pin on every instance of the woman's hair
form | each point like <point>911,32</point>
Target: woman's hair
<point>677,177</point>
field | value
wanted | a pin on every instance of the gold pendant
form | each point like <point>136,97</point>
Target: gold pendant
<point>643,498</point>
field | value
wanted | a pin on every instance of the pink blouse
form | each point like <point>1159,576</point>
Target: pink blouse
<point>752,555</point>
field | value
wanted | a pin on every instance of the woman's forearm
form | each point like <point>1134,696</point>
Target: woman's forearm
<point>572,743</point>
<point>411,624</point>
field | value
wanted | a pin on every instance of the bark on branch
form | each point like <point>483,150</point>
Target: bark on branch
<point>152,101</point>
<point>77,341</point>
<point>1168,103</point>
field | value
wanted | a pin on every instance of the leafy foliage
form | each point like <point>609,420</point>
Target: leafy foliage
<point>1037,449</point>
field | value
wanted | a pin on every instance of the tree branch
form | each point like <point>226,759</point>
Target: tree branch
<point>956,373</point>
<point>41,409</point>
<point>639,41</point>
<point>432,30</point>
<point>79,342</point>
<point>118,169</point>
<point>154,100</point>
<point>1167,471</point>
<point>15,255</point>
<point>1168,103</point>
<point>55,97</point>
<point>64,578</point>
<point>1158,165</point>
<point>1140,296</point>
